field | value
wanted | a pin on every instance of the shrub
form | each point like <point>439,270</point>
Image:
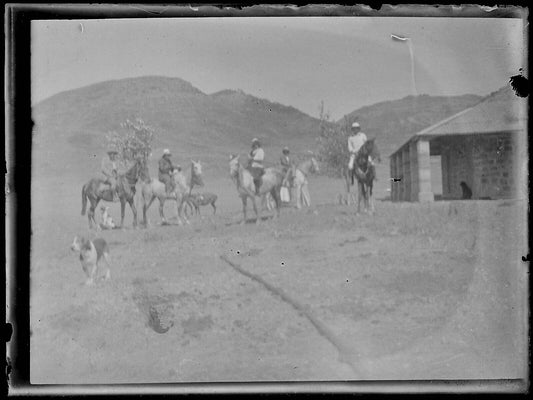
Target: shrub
<point>333,144</point>
<point>134,140</point>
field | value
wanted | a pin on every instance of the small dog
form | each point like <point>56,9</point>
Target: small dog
<point>91,252</point>
<point>107,221</point>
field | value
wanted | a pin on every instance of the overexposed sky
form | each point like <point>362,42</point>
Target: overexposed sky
<point>348,62</point>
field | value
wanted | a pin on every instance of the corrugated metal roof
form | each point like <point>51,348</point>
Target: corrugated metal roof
<point>501,111</point>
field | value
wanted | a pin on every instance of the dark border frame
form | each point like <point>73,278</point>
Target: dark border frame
<point>19,126</point>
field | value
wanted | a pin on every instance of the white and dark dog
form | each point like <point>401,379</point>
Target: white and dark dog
<point>91,252</point>
<point>107,221</point>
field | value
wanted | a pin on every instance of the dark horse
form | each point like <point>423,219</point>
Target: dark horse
<point>96,190</point>
<point>364,172</point>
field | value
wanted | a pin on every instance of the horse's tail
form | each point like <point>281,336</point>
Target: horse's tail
<point>83,200</point>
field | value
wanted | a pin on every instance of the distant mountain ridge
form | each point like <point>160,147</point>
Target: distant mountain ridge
<point>394,122</point>
<point>70,127</point>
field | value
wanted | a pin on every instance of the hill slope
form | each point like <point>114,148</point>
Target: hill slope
<point>394,122</point>
<point>70,127</point>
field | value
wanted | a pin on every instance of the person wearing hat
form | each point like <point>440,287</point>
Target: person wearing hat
<point>165,169</point>
<point>109,168</point>
<point>356,140</point>
<point>287,167</point>
<point>256,157</point>
<point>285,160</point>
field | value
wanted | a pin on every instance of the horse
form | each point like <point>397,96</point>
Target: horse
<point>96,189</point>
<point>154,188</point>
<point>271,183</point>
<point>364,172</point>
<point>299,180</point>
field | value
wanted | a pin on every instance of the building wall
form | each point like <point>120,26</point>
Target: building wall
<point>484,162</point>
<point>493,161</point>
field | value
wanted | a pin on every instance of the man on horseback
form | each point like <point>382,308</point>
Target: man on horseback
<point>165,169</point>
<point>109,168</point>
<point>356,140</point>
<point>255,160</point>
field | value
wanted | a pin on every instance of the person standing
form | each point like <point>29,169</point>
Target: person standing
<point>287,167</point>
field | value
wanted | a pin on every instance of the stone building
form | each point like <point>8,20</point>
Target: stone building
<point>484,146</point>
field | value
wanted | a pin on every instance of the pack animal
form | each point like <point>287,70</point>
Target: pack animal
<point>91,253</point>
<point>202,199</point>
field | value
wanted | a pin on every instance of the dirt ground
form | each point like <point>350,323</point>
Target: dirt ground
<point>417,291</point>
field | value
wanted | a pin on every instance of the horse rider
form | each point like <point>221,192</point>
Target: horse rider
<point>109,168</point>
<point>255,161</point>
<point>356,140</point>
<point>165,169</point>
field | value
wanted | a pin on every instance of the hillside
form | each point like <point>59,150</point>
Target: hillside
<point>394,122</point>
<point>70,127</point>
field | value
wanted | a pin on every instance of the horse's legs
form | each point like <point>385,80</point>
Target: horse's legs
<point>305,195</point>
<point>145,208</point>
<point>277,199</point>
<point>244,200</point>
<point>297,197</point>
<point>161,213</point>
<point>180,210</point>
<point>214,208</point>
<point>371,198</point>
<point>91,212</point>
<point>122,211</point>
<point>359,193</point>
<point>134,210</point>
<point>257,211</point>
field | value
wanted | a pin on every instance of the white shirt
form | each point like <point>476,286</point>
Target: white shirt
<point>355,142</point>
<point>258,155</point>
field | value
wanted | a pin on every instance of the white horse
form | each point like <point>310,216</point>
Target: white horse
<point>244,182</point>
<point>182,188</point>
<point>299,181</point>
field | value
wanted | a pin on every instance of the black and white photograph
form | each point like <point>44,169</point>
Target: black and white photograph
<point>279,198</point>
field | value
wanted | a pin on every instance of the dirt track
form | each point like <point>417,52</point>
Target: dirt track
<point>414,292</point>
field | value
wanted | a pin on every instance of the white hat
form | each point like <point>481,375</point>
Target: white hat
<point>166,151</point>
<point>255,140</point>
<point>356,125</point>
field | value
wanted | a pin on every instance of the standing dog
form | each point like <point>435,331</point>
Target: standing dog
<point>91,252</point>
<point>202,199</point>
